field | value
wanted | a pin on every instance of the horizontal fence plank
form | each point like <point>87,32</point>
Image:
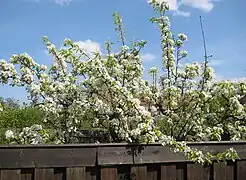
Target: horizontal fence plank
<point>133,155</point>
<point>54,156</point>
<point>50,157</point>
<point>155,153</point>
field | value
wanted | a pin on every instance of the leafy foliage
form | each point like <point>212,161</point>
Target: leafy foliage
<point>15,116</point>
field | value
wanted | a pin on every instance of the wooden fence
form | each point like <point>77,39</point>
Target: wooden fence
<point>115,162</point>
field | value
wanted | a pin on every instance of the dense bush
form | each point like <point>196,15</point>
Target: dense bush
<point>15,116</point>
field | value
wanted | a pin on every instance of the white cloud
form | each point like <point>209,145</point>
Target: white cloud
<point>181,13</point>
<point>240,79</point>
<point>204,5</point>
<point>218,78</point>
<point>63,2</point>
<point>89,46</point>
<point>148,57</point>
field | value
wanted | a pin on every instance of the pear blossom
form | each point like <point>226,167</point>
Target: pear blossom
<point>109,91</point>
<point>9,134</point>
<point>182,37</point>
<point>183,53</point>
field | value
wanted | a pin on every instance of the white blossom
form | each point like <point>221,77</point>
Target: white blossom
<point>9,134</point>
<point>109,91</point>
<point>182,37</point>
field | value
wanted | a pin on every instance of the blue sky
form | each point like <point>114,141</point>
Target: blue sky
<point>90,22</point>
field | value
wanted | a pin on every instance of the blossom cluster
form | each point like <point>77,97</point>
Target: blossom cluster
<point>29,135</point>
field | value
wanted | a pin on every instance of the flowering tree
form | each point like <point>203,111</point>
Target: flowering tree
<point>108,90</point>
<point>188,100</point>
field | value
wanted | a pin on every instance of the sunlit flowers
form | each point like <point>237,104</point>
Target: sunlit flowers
<point>109,90</point>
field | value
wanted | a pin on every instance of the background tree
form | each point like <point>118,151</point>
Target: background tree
<point>16,116</point>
